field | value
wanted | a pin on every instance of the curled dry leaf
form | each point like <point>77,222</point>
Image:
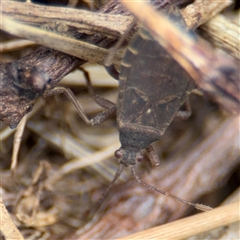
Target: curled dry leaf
<point>27,209</point>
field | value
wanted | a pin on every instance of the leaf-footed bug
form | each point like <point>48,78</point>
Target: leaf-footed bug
<point>152,83</point>
<point>152,87</point>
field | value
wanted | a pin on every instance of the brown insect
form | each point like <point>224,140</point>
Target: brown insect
<point>152,88</point>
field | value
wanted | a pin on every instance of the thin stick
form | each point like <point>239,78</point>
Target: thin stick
<point>83,20</point>
<point>77,48</point>
<point>193,225</point>
<point>17,142</point>
<point>13,45</point>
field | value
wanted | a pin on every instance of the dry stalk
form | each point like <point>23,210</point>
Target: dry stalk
<point>8,229</point>
<point>192,225</point>
<point>200,11</point>
<point>59,20</point>
<point>14,45</point>
<point>224,33</point>
<point>17,143</point>
<point>76,48</point>
<point>230,231</point>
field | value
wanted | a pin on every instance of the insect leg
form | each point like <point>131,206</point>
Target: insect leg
<point>99,100</point>
<point>101,117</point>
<point>112,71</point>
<point>152,155</point>
<point>198,92</point>
<point>108,62</point>
<point>185,114</point>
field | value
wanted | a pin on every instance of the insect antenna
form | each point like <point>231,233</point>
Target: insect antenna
<point>106,192</point>
<point>198,206</point>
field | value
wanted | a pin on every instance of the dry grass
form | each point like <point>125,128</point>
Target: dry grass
<point>64,166</point>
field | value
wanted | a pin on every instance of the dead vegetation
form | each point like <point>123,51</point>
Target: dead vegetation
<point>63,166</point>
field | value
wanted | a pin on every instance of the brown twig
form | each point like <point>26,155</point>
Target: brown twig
<point>201,11</point>
<point>26,79</point>
<point>69,21</point>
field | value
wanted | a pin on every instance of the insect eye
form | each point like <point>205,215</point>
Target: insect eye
<point>140,158</point>
<point>118,154</point>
